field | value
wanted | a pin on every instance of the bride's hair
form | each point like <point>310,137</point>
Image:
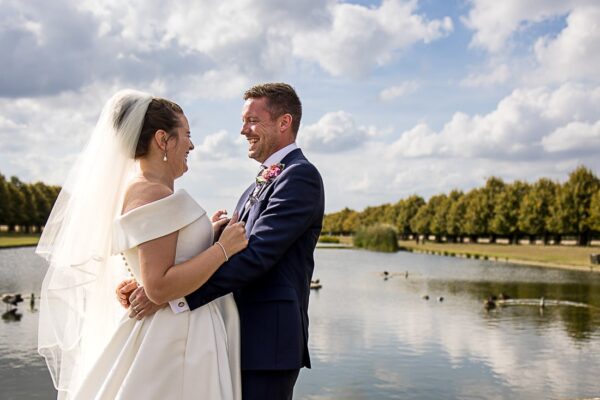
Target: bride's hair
<point>161,114</point>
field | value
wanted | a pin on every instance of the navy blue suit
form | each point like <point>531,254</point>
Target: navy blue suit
<point>271,278</point>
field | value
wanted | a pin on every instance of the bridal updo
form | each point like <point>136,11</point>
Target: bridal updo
<point>162,114</point>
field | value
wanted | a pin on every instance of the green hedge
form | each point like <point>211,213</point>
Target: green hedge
<point>328,239</point>
<point>379,237</point>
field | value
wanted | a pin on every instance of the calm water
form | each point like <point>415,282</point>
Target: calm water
<point>379,339</point>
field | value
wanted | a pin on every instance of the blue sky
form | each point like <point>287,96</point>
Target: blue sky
<point>399,96</point>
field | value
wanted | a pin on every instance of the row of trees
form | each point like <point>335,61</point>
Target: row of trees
<point>543,209</point>
<point>25,206</point>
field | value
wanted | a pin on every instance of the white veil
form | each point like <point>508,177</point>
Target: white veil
<point>78,309</point>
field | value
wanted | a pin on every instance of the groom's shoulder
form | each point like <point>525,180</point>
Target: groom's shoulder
<point>300,164</point>
<point>302,167</point>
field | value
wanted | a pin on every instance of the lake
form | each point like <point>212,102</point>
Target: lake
<point>377,338</point>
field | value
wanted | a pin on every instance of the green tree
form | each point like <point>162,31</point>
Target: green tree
<point>406,210</point>
<point>4,201</point>
<point>477,214</point>
<point>493,188</point>
<point>573,204</point>
<point>342,222</point>
<point>456,217</point>
<point>16,204</point>
<point>350,222</point>
<point>424,223</point>
<point>420,223</point>
<point>534,212</point>
<point>43,203</point>
<point>595,212</point>
<point>30,206</point>
<point>373,215</point>
<point>438,208</point>
<point>506,211</point>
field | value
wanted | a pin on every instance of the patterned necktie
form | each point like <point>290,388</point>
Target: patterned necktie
<point>253,196</point>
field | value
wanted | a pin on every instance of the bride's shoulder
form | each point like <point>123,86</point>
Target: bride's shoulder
<point>140,193</point>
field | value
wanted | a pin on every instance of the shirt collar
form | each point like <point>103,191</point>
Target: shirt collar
<point>279,155</point>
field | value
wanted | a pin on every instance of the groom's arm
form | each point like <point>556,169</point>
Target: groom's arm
<point>291,209</point>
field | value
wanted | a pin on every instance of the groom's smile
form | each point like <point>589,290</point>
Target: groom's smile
<point>260,129</point>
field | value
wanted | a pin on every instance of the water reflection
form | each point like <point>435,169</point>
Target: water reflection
<point>373,337</point>
<point>12,316</point>
<point>451,349</point>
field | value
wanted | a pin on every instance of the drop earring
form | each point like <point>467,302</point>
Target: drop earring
<point>165,156</point>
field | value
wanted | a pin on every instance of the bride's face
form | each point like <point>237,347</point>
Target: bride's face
<point>178,148</point>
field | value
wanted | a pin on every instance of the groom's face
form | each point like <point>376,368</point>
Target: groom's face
<point>259,129</point>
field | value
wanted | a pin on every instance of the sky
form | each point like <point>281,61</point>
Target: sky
<point>399,97</point>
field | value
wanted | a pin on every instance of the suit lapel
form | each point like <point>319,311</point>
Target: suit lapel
<point>241,209</point>
<point>245,211</point>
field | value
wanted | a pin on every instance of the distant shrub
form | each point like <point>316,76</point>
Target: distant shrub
<point>328,239</point>
<point>379,237</point>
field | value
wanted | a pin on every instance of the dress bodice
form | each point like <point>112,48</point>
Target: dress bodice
<point>176,212</point>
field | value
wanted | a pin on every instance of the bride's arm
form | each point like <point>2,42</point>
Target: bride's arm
<point>162,282</point>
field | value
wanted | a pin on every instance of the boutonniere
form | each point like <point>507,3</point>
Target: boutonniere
<point>269,174</point>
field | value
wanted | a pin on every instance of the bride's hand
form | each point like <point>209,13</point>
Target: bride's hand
<point>233,239</point>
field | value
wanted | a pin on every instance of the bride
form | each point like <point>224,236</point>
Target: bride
<point>115,217</point>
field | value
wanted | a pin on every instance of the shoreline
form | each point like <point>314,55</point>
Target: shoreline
<point>558,257</point>
<point>16,246</point>
<point>506,260</point>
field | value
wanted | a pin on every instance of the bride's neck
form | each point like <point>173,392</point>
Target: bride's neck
<point>156,172</point>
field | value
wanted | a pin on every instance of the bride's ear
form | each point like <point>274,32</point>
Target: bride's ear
<point>160,138</point>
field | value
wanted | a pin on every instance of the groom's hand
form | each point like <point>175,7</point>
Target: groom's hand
<point>141,306</point>
<point>219,221</point>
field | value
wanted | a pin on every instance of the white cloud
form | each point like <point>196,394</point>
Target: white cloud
<point>335,131</point>
<point>400,90</point>
<point>359,38</point>
<point>218,146</point>
<point>575,52</point>
<point>515,129</point>
<point>579,136</point>
<point>416,142</point>
<point>495,22</point>
<point>496,75</point>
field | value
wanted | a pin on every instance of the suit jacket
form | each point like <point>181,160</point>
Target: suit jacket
<point>271,278</point>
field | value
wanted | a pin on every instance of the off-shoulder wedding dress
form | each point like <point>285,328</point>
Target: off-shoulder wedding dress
<point>190,355</point>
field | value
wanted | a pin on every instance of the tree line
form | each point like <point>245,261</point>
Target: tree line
<point>545,210</point>
<point>25,207</point>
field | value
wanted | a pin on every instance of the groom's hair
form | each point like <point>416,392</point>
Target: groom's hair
<point>281,99</point>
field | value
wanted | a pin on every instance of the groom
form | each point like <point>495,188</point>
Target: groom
<point>283,211</point>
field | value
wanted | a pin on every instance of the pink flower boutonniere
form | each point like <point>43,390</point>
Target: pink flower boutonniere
<point>269,174</point>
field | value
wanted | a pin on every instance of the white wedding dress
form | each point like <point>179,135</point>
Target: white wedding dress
<point>190,355</point>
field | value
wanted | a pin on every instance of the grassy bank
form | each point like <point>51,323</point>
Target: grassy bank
<point>552,256</point>
<point>8,240</point>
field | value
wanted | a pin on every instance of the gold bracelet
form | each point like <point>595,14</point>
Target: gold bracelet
<point>223,248</point>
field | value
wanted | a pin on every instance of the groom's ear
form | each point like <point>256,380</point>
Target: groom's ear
<point>285,122</point>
